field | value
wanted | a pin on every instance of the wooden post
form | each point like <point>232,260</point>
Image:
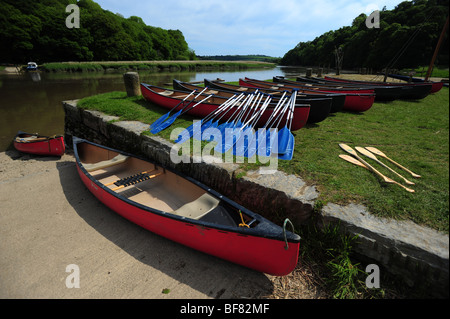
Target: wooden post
<point>132,83</point>
<point>436,50</point>
<point>308,72</point>
<point>319,72</point>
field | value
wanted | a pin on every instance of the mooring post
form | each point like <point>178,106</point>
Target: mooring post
<point>132,83</point>
<point>308,72</point>
<point>319,72</point>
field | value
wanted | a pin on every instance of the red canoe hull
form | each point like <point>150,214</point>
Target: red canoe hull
<point>301,112</point>
<point>266,255</point>
<point>50,146</point>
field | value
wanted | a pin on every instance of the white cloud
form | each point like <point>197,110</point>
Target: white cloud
<point>270,27</point>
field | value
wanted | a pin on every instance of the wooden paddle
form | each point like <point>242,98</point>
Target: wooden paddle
<point>348,149</point>
<point>372,156</point>
<point>380,153</point>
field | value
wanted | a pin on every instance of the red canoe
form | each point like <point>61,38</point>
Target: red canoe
<point>39,144</point>
<point>357,100</point>
<point>184,210</point>
<point>170,98</point>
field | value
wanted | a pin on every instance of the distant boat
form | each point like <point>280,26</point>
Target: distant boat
<point>32,66</point>
<point>39,144</point>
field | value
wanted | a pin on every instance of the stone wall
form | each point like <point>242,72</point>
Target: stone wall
<point>420,256</point>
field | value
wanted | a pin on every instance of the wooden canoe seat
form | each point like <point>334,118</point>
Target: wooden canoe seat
<point>198,208</point>
<point>104,164</point>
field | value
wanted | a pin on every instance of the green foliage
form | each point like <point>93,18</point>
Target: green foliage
<point>416,24</point>
<point>36,31</point>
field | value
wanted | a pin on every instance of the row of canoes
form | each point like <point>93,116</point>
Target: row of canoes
<point>316,97</point>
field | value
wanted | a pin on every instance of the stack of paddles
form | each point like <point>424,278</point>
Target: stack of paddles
<point>239,132</point>
<point>371,153</point>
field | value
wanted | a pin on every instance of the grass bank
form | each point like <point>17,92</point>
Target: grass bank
<point>437,72</point>
<point>414,133</point>
<point>155,66</point>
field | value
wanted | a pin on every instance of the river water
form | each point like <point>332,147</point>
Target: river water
<point>31,102</point>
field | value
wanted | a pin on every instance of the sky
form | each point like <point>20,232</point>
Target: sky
<point>234,27</point>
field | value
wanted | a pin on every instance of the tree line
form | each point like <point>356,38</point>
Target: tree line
<point>406,37</point>
<point>36,31</point>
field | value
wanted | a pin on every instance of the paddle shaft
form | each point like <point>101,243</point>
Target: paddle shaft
<point>378,152</point>
<point>363,164</point>
<point>348,149</point>
<point>372,156</point>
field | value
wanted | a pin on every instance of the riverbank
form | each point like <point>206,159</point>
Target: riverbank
<point>156,66</point>
<point>401,247</point>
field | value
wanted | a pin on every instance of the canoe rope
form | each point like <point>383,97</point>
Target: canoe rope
<point>284,232</point>
<point>243,224</point>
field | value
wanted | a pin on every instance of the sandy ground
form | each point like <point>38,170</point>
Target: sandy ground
<point>49,220</point>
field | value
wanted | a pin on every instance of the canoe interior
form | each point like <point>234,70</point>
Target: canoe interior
<point>166,191</point>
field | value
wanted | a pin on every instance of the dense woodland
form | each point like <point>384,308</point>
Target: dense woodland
<point>36,31</point>
<point>407,37</point>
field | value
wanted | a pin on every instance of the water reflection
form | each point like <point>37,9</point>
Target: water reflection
<point>32,101</point>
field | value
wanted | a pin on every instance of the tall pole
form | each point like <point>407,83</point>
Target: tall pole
<point>436,50</point>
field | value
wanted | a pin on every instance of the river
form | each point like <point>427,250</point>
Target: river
<point>31,102</point>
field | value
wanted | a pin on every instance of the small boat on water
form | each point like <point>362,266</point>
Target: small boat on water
<point>169,99</point>
<point>320,107</point>
<point>356,100</point>
<point>32,66</point>
<point>39,144</point>
<point>182,209</point>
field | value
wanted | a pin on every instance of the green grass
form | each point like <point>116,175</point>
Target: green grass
<point>413,133</point>
<point>437,72</point>
<point>152,66</point>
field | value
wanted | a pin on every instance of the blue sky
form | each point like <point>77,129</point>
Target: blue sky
<point>269,27</point>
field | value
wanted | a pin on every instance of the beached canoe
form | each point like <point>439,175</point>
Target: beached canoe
<point>356,100</point>
<point>337,104</point>
<point>436,86</point>
<point>320,107</point>
<point>408,91</point>
<point>382,93</point>
<point>169,99</point>
<point>182,209</point>
<point>39,144</point>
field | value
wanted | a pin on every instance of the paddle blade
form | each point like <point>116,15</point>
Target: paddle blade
<point>284,136</point>
<point>289,150</point>
<point>352,160</point>
<point>159,121</point>
<point>165,124</point>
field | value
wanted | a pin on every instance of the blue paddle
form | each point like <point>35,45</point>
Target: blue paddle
<point>165,116</point>
<point>172,119</point>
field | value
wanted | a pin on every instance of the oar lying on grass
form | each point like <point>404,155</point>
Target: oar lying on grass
<point>348,149</point>
<point>372,156</point>
<point>380,153</point>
